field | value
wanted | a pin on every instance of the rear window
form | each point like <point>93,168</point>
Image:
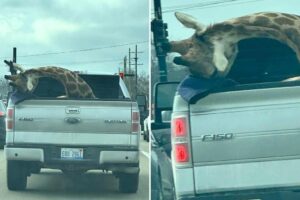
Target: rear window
<point>103,86</point>
<point>264,60</point>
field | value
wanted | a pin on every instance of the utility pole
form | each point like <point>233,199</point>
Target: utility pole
<point>135,58</point>
<point>129,61</point>
<point>125,63</point>
<point>15,55</point>
<point>12,70</point>
<point>136,74</point>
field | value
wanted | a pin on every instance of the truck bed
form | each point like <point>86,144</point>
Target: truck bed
<point>263,148</point>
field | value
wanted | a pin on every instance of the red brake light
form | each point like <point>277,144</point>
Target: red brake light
<point>2,114</point>
<point>180,128</point>
<point>10,113</point>
<point>9,119</point>
<point>181,153</point>
<point>135,116</point>
<point>135,122</point>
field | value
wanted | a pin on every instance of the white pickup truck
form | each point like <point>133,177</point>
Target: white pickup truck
<point>242,141</point>
<point>74,135</point>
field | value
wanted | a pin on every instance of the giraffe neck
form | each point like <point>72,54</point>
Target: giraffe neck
<point>35,74</point>
<point>73,84</point>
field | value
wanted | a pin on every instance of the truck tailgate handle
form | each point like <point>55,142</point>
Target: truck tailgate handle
<point>72,120</point>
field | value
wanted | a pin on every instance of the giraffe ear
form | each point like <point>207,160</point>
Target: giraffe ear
<point>18,67</point>
<point>189,21</point>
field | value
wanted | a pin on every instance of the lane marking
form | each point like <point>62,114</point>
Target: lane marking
<point>145,154</point>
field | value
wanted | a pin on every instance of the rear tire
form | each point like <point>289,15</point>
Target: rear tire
<point>128,183</point>
<point>16,175</point>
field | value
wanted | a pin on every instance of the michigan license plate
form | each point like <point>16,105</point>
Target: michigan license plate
<point>71,153</point>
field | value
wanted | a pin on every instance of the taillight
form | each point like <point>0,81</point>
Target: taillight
<point>10,119</point>
<point>135,122</point>
<point>181,153</point>
<point>180,138</point>
<point>180,129</point>
<point>2,114</point>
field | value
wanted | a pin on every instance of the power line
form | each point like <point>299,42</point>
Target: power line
<point>81,50</point>
<point>202,4</point>
<point>72,63</point>
<point>227,4</point>
<point>205,5</point>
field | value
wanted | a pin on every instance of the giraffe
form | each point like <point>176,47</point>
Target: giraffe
<point>27,80</point>
<point>211,50</point>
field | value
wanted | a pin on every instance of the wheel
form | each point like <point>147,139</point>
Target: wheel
<point>16,175</point>
<point>128,183</point>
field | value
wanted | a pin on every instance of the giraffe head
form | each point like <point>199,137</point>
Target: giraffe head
<point>22,82</point>
<point>197,52</point>
<point>212,49</point>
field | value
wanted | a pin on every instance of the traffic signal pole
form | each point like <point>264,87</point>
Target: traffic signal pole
<point>160,34</point>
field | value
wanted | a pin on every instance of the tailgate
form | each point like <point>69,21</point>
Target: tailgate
<point>246,140</point>
<point>74,122</point>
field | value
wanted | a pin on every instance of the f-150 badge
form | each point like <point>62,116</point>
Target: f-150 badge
<point>217,137</point>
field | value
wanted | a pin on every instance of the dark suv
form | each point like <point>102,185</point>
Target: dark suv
<point>2,124</point>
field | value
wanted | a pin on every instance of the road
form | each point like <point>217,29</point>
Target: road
<point>52,184</point>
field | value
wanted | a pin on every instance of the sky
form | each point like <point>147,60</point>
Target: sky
<point>218,11</point>
<point>85,35</point>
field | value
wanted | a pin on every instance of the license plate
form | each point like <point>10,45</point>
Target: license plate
<point>71,153</point>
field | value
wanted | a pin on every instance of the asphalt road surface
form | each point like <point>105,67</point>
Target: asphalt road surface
<point>53,184</point>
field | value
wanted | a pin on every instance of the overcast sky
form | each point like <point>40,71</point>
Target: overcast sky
<point>217,11</point>
<point>46,26</point>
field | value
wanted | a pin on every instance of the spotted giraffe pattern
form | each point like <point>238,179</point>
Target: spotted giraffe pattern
<point>75,86</point>
<point>212,50</point>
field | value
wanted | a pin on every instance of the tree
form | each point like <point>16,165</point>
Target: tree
<point>142,84</point>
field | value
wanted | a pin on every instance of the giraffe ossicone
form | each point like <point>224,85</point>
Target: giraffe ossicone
<point>74,85</point>
<point>212,49</point>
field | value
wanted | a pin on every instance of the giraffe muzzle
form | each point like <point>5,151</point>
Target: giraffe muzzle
<point>8,77</point>
<point>180,61</point>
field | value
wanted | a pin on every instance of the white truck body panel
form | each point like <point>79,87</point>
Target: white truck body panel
<point>263,151</point>
<point>100,122</point>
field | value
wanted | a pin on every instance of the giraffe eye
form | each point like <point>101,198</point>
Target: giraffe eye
<point>23,77</point>
<point>200,38</point>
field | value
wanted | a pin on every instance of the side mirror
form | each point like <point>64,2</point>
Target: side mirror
<point>141,100</point>
<point>163,101</point>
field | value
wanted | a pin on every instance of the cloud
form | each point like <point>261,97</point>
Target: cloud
<point>35,27</point>
<point>45,30</point>
<point>10,24</point>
